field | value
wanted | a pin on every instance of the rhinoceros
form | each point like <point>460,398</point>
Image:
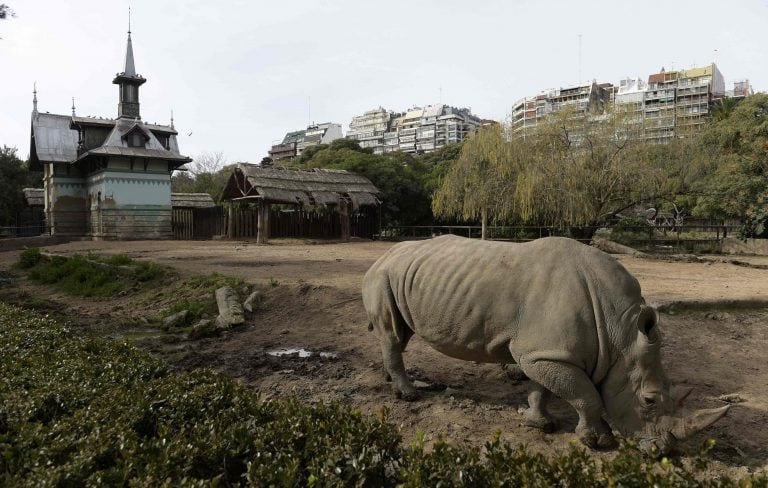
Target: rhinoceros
<point>569,315</point>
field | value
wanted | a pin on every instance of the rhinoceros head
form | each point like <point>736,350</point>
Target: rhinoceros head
<point>637,394</point>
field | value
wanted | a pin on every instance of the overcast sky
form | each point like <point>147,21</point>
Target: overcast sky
<point>239,74</point>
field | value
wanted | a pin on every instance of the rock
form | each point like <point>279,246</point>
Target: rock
<point>204,328</point>
<point>253,301</point>
<point>612,247</point>
<point>176,320</point>
<point>731,398</point>
<point>230,311</point>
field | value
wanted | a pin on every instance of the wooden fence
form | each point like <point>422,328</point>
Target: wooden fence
<point>204,223</point>
<point>197,223</point>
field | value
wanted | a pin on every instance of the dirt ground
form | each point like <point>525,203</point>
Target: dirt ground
<point>312,301</point>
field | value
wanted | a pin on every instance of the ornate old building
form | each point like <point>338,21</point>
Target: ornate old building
<point>107,178</point>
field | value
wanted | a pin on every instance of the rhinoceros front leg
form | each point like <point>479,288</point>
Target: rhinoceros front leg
<point>575,387</point>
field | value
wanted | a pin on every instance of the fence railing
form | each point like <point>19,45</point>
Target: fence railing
<point>24,230</point>
<point>699,237</point>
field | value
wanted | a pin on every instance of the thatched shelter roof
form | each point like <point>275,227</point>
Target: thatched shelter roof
<point>299,187</point>
<point>191,200</point>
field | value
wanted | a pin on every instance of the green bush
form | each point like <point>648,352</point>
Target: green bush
<point>90,276</point>
<point>29,258</point>
<point>84,411</point>
<point>196,308</point>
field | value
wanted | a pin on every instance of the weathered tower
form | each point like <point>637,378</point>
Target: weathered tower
<point>129,83</point>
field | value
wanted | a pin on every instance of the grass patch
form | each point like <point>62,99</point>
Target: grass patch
<point>197,308</point>
<point>83,411</point>
<point>211,282</point>
<point>91,276</point>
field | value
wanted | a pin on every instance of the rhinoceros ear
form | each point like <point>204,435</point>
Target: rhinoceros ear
<point>647,319</point>
<point>679,394</point>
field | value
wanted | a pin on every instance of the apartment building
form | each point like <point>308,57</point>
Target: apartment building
<point>588,99</point>
<point>370,128</point>
<point>295,142</point>
<point>669,104</point>
<point>418,130</point>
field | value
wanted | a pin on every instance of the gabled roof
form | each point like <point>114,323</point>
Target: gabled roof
<point>302,187</point>
<point>115,144</point>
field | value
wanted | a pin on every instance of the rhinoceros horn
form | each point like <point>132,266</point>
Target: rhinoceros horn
<point>701,419</point>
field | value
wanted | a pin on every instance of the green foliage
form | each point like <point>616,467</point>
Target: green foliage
<point>196,308</point>
<point>80,411</point>
<point>29,258</point>
<point>91,276</point>
<point>473,186</point>
<point>211,282</point>
<point>273,282</point>
<point>210,182</point>
<point>737,182</point>
<point>406,182</point>
<point>14,177</point>
<point>83,411</point>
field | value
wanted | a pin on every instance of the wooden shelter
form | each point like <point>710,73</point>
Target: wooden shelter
<point>272,185</point>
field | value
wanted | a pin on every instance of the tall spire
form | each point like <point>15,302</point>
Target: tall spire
<point>172,119</point>
<point>130,68</point>
<point>73,106</point>
<point>34,97</point>
<point>129,82</point>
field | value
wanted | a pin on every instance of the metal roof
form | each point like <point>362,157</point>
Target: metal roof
<point>52,139</point>
<point>303,187</point>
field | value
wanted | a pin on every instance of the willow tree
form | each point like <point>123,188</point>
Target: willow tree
<point>578,171</point>
<point>473,188</point>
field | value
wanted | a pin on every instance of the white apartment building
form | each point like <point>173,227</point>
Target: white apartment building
<point>418,130</point>
<point>295,142</point>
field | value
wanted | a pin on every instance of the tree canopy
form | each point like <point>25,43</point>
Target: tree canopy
<point>14,177</point>
<point>736,184</point>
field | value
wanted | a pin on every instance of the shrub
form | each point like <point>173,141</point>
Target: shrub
<point>29,258</point>
<point>90,276</point>
<point>84,411</point>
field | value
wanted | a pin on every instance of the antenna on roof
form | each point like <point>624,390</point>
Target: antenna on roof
<point>129,20</point>
<point>309,110</point>
<point>172,119</point>
<point>579,59</point>
<point>73,106</point>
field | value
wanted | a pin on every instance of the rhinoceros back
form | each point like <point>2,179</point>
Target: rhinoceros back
<point>495,302</point>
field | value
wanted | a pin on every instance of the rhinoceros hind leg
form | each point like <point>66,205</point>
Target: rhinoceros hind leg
<point>575,387</point>
<point>392,349</point>
<point>536,415</point>
<point>514,372</point>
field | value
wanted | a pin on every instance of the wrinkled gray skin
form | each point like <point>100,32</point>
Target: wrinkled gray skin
<point>569,315</point>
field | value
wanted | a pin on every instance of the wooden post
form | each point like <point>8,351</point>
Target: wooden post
<point>484,223</point>
<point>231,220</point>
<point>344,215</point>
<point>262,235</point>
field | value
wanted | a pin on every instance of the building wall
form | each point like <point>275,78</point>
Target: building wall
<point>65,200</point>
<point>130,205</point>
